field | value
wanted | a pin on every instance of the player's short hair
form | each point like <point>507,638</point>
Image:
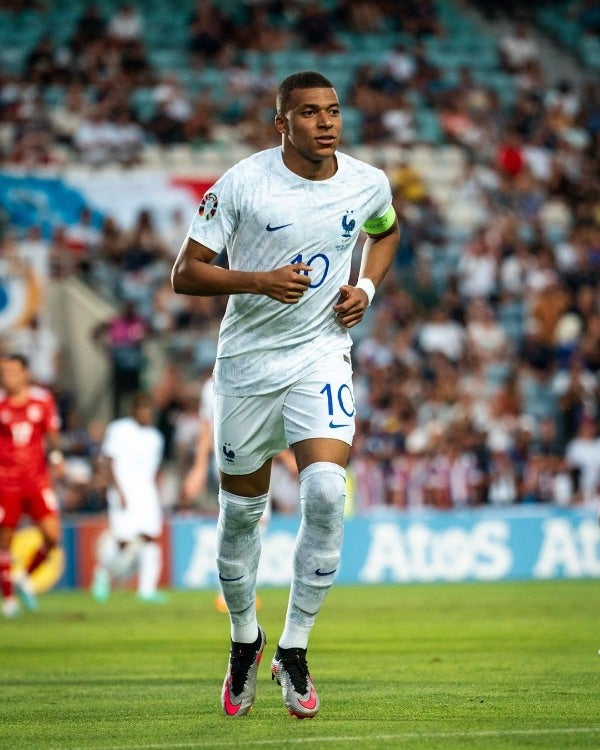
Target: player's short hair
<point>16,357</point>
<point>306,79</point>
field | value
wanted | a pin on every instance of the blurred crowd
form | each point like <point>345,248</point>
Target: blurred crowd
<point>477,368</point>
<point>98,95</point>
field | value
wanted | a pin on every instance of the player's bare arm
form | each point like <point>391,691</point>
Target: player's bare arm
<point>377,257</point>
<point>55,455</point>
<point>196,478</point>
<point>193,273</point>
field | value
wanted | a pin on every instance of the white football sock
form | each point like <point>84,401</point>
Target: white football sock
<point>238,555</point>
<point>318,548</point>
<point>150,567</point>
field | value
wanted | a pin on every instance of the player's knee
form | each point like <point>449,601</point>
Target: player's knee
<point>52,537</point>
<point>323,494</point>
<point>240,513</point>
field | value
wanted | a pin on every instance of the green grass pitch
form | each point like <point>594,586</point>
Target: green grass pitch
<point>507,665</point>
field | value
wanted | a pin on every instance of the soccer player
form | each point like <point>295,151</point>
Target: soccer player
<point>289,218</point>
<point>132,452</point>
<point>197,477</point>
<point>29,426</point>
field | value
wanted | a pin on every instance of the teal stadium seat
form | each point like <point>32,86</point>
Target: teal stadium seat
<point>428,126</point>
<point>352,120</point>
<point>167,59</point>
<point>142,102</point>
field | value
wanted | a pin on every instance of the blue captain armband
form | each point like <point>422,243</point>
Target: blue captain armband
<point>382,224</point>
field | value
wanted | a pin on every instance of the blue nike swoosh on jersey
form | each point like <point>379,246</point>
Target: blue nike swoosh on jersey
<point>319,572</point>
<point>333,425</point>
<point>274,229</point>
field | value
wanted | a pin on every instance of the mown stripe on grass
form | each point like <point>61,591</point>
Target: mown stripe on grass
<point>487,733</point>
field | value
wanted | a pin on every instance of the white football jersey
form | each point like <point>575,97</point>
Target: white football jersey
<point>265,216</point>
<point>136,453</point>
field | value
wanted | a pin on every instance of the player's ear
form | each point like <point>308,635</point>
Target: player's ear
<point>281,124</point>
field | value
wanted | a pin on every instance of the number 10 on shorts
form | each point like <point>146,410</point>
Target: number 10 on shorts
<point>340,405</point>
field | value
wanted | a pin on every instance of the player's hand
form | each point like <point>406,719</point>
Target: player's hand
<point>58,471</point>
<point>57,464</point>
<point>351,306</point>
<point>288,283</point>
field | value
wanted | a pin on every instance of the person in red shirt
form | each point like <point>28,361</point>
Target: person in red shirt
<point>29,425</point>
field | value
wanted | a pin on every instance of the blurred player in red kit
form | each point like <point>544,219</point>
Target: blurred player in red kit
<point>29,426</point>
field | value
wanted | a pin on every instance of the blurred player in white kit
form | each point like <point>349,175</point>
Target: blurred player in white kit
<point>132,453</point>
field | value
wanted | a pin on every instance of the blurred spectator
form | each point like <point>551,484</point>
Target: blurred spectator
<point>587,13</point>
<point>199,126</point>
<point>260,33</point>
<point>583,456</point>
<point>169,396</point>
<point>143,244</point>
<point>93,138</point>
<point>478,267</point>
<point>90,27</point>
<point>164,127</point>
<point>171,98</point>
<point>315,29</point>
<point>578,393</point>
<point>127,138</point>
<point>134,65</point>
<point>38,343</point>
<point>360,16</point>
<point>67,116</point>
<point>122,337</point>
<point>419,17</point>
<point>503,487</point>
<point>486,338</point>
<point>441,334</point>
<point>45,65</point>
<point>208,30</point>
<point>400,64</point>
<point>32,134</point>
<point>517,48</point>
<point>126,25</point>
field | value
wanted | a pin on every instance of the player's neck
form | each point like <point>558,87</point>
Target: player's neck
<point>18,398</point>
<point>309,170</point>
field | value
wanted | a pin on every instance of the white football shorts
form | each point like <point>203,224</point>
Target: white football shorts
<point>252,429</point>
<point>142,516</point>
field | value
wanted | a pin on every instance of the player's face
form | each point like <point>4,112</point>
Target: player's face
<point>13,376</point>
<point>144,414</point>
<point>312,124</point>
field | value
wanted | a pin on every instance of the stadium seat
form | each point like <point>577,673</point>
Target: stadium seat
<point>352,125</point>
<point>428,126</point>
<point>143,103</point>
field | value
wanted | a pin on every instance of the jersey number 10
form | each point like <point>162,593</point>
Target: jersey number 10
<point>316,261</point>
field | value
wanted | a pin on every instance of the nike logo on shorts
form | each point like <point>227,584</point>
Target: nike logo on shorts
<point>274,229</point>
<point>333,425</point>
